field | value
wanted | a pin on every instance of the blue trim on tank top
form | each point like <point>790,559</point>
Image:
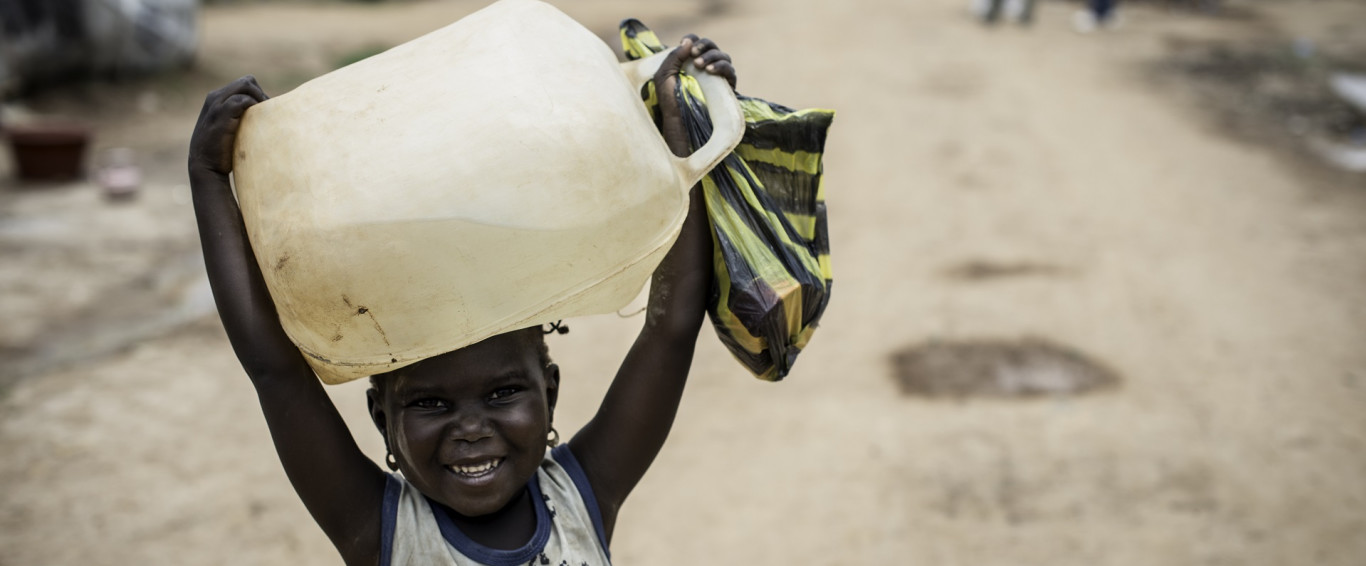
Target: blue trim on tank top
<point>393,489</point>
<point>566,459</point>
<point>494,556</point>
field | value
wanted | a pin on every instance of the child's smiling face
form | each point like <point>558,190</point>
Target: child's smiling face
<point>468,428</point>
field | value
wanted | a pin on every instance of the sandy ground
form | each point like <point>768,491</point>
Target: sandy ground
<point>1221,280</point>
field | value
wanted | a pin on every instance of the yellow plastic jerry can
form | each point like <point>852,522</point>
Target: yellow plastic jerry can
<point>498,173</point>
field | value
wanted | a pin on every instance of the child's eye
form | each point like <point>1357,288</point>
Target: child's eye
<point>504,392</point>
<point>428,403</point>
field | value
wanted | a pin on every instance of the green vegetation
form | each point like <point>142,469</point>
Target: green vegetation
<point>355,55</point>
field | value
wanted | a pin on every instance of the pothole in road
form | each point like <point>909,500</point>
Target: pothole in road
<point>1001,369</point>
<point>985,270</point>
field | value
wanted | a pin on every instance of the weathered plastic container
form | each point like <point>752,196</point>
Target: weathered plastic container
<point>499,173</point>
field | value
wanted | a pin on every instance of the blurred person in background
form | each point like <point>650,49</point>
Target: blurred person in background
<point>992,10</point>
<point>1098,14</point>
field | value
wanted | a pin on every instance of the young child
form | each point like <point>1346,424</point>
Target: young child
<point>468,430</point>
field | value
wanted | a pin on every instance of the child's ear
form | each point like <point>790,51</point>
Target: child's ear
<point>552,386</point>
<point>372,400</point>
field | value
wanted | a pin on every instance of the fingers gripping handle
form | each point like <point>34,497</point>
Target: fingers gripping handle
<point>727,120</point>
<point>728,126</point>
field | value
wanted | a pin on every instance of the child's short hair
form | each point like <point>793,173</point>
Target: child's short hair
<point>533,336</point>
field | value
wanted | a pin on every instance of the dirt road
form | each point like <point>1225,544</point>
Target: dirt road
<point>1222,284</point>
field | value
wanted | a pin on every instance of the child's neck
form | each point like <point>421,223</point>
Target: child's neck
<point>508,528</point>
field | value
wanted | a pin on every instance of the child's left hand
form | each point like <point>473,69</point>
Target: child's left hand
<point>705,55</point>
<point>617,446</point>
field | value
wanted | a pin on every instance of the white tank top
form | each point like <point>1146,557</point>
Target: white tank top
<point>568,524</point>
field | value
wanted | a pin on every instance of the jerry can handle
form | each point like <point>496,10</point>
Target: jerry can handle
<point>728,122</point>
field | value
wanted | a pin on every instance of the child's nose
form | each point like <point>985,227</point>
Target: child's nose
<point>469,426</point>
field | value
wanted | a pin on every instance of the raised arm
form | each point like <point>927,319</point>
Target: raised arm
<point>341,488</point>
<point>618,445</point>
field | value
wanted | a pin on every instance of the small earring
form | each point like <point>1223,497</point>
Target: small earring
<point>553,439</point>
<point>391,461</point>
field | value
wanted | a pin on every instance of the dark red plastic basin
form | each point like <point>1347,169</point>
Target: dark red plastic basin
<point>51,152</point>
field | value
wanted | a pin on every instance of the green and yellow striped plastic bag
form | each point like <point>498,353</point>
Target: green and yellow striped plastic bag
<point>766,203</point>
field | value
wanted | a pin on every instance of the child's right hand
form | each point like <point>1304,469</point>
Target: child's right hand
<point>215,133</point>
<point>342,488</point>
<point>244,303</point>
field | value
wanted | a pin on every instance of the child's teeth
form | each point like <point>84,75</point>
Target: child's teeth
<point>478,469</point>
